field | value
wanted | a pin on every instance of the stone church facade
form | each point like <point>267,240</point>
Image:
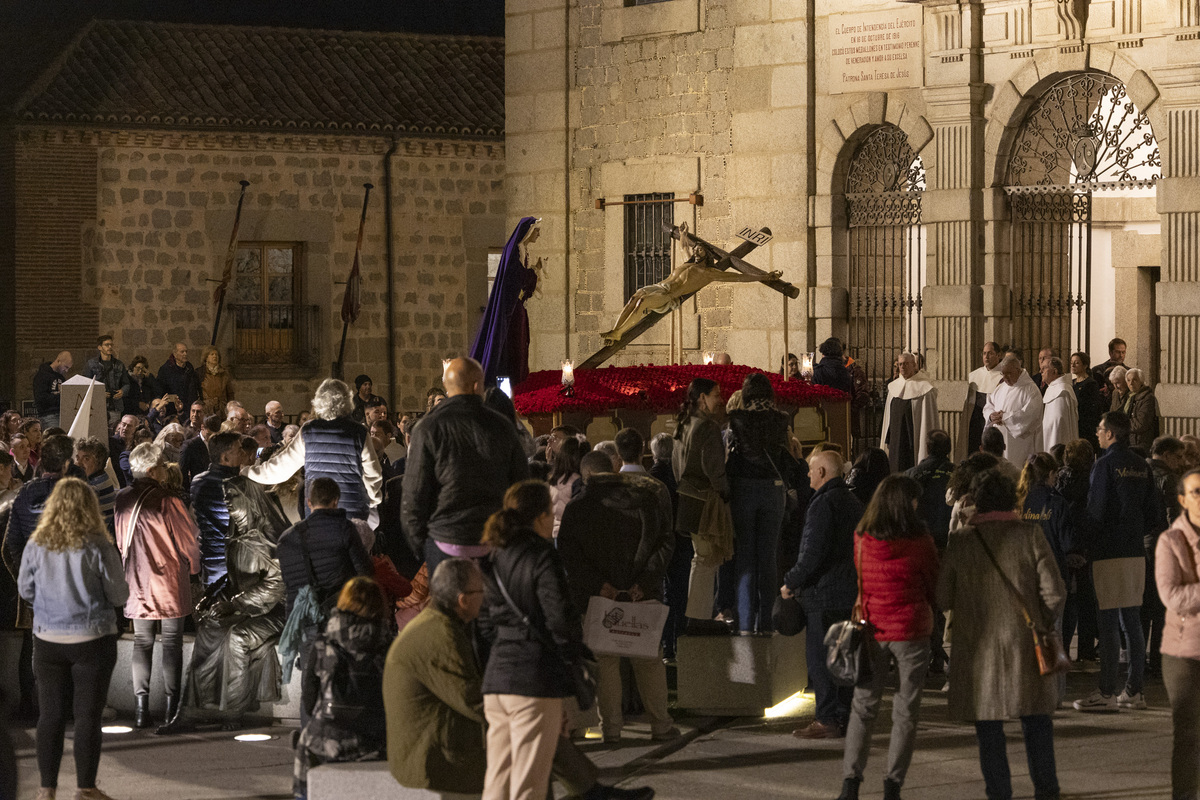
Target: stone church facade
<point>935,174</point>
<point>119,179</point>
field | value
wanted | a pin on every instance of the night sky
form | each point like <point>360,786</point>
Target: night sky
<point>33,32</point>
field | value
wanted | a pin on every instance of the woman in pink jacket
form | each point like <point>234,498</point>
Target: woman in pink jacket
<point>1175,571</point>
<point>159,544</point>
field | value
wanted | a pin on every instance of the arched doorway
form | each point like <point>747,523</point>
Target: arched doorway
<point>886,253</point>
<point>1082,139</point>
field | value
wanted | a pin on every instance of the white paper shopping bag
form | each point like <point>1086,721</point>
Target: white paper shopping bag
<point>624,629</point>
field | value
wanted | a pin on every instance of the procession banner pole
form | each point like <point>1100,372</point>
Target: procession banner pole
<point>351,300</point>
<point>230,255</point>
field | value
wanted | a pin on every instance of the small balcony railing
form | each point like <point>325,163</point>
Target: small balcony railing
<point>276,336</point>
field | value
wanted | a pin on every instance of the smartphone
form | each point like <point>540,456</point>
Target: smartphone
<point>506,386</point>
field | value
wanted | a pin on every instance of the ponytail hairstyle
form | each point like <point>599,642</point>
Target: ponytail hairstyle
<point>697,389</point>
<point>1035,472</point>
<point>524,502</point>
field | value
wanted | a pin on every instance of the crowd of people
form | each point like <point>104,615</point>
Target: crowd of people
<point>429,576</point>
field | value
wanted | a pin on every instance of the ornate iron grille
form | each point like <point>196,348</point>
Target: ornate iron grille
<point>1083,133</point>
<point>1051,274</point>
<point>1084,129</point>
<point>647,242</point>
<point>887,255</point>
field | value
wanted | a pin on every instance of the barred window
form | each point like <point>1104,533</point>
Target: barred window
<point>271,326</point>
<point>647,242</point>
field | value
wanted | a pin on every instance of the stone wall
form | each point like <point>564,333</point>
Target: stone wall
<point>163,210</point>
<point>649,100</point>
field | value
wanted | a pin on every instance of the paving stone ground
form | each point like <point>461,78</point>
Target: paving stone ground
<point>1124,756</point>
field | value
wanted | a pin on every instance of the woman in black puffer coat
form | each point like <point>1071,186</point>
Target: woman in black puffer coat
<point>758,461</point>
<point>525,680</point>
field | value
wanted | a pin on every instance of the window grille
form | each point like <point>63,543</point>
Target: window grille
<point>647,240</point>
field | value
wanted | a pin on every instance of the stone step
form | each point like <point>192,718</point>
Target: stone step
<point>738,675</point>
<point>363,781</point>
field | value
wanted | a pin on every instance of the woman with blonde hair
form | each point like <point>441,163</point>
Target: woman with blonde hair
<point>71,573</point>
<point>159,543</point>
<point>216,386</point>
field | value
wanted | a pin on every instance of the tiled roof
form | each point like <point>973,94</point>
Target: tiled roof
<point>227,77</point>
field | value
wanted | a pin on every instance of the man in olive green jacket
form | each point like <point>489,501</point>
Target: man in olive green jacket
<point>432,689</point>
<point>432,693</point>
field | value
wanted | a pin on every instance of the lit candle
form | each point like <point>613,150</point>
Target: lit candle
<point>709,356</point>
<point>568,373</point>
<point>806,365</point>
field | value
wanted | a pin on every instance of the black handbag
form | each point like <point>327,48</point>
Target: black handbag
<point>581,669</point>
<point>847,644</point>
<point>787,617</point>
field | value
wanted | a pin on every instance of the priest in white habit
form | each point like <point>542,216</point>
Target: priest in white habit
<point>1015,409</point>
<point>1060,415</point>
<point>909,414</point>
<point>980,384</point>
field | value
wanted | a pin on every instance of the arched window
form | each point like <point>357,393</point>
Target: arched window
<point>1083,134</point>
<point>886,252</point>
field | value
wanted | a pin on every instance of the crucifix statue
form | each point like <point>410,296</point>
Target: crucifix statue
<point>699,270</point>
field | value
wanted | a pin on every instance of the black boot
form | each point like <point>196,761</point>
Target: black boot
<point>849,789</point>
<point>174,722</point>
<point>891,789</point>
<point>141,712</point>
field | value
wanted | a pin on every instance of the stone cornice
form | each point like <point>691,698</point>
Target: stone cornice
<point>253,141</point>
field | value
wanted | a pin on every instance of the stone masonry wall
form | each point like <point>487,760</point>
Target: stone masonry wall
<point>164,210</point>
<point>711,88</point>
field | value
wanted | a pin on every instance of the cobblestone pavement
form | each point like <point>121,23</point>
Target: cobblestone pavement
<point>1123,756</point>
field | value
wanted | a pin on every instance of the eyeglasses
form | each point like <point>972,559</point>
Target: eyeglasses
<point>473,591</point>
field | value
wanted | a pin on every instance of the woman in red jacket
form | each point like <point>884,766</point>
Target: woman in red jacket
<point>897,566</point>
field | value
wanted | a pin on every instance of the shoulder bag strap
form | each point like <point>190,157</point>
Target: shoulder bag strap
<point>133,521</point>
<point>543,636</point>
<point>1012,588</point>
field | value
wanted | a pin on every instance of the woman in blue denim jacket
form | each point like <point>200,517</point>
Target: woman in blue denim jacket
<point>72,575</point>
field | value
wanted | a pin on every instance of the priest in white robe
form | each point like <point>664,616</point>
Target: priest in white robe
<point>1015,409</point>
<point>980,384</point>
<point>1060,415</point>
<point>909,414</point>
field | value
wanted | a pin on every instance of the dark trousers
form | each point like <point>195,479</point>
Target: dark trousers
<point>1154,616</point>
<point>726,578</point>
<point>1087,614</point>
<point>757,508</point>
<point>1182,677</point>
<point>833,701</point>
<point>1112,622</point>
<point>434,555</point>
<point>8,756</point>
<point>72,678</point>
<point>1039,751</point>
<point>675,591</point>
<point>143,654</point>
<point>310,684</point>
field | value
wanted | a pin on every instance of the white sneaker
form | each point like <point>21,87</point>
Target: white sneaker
<point>1137,702</point>
<point>1097,702</point>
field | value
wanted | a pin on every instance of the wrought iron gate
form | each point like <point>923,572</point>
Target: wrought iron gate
<point>887,257</point>
<point>1082,135</point>
<point>1051,270</point>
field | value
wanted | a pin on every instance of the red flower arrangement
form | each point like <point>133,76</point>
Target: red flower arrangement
<point>661,389</point>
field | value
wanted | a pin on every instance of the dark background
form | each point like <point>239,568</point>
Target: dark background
<point>33,32</point>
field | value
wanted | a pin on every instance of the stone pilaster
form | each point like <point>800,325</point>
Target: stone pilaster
<point>1179,290</point>
<point>951,208</point>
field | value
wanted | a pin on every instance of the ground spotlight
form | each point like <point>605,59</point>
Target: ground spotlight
<point>253,737</point>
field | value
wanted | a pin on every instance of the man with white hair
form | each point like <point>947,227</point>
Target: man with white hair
<point>909,414</point>
<point>1015,409</point>
<point>238,419</point>
<point>1060,415</point>
<point>331,446</point>
<point>273,412</point>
